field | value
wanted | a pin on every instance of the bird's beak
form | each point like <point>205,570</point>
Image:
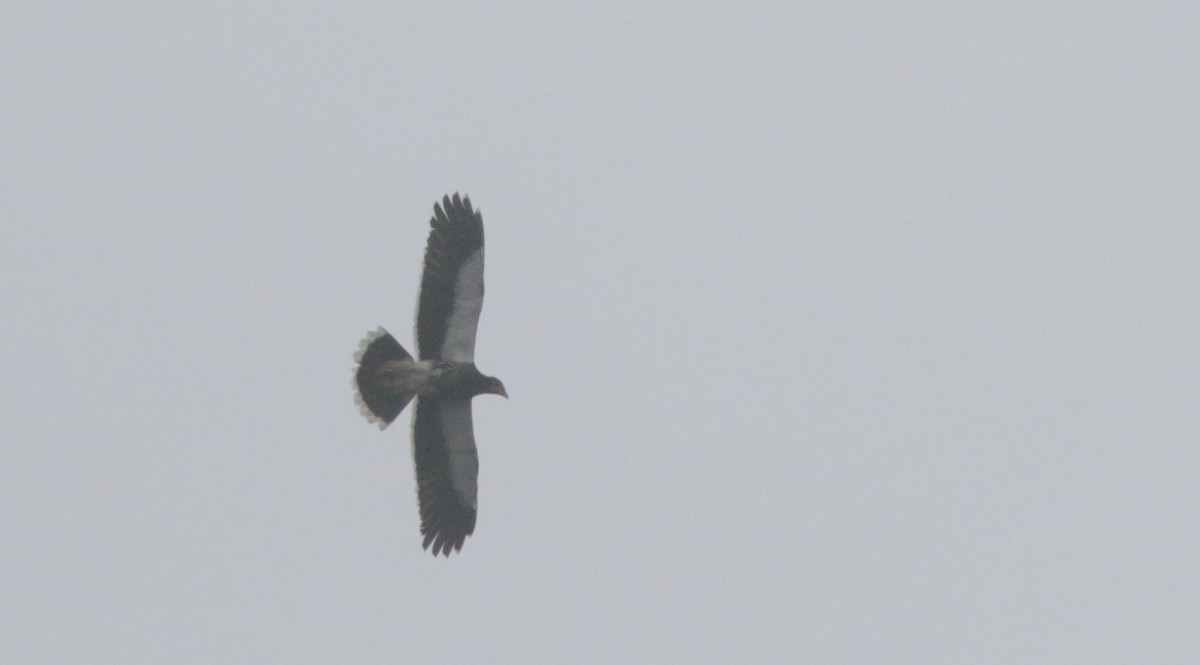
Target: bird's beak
<point>499,390</point>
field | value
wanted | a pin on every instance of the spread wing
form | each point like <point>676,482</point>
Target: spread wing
<point>447,471</point>
<point>452,283</point>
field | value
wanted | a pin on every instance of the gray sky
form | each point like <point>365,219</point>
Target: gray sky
<point>839,333</point>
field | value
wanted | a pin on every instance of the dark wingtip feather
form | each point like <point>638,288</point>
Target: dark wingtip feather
<point>441,543</point>
<point>453,205</point>
<point>445,520</point>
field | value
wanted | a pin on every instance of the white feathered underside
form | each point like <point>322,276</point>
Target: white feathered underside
<point>459,434</point>
<point>459,344</point>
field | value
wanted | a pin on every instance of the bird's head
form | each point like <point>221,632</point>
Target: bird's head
<point>495,387</point>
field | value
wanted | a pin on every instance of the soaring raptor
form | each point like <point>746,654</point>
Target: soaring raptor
<point>443,380</point>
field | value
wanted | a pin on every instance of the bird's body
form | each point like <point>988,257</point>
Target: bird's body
<point>443,380</point>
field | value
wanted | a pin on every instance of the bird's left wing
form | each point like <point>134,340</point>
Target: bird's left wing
<point>447,471</point>
<point>451,283</point>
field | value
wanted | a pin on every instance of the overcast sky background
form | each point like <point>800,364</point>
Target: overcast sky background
<point>854,332</point>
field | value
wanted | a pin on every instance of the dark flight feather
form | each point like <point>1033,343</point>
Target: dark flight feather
<point>446,518</point>
<point>455,236</point>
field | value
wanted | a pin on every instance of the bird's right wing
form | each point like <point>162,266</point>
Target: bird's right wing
<point>447,471</point>
<point>451,283</point>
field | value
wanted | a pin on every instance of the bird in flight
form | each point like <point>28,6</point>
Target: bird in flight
<point>443,378</point>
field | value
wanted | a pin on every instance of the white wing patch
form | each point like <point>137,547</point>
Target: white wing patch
<point>459,344</point>
<point>459,434</point>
